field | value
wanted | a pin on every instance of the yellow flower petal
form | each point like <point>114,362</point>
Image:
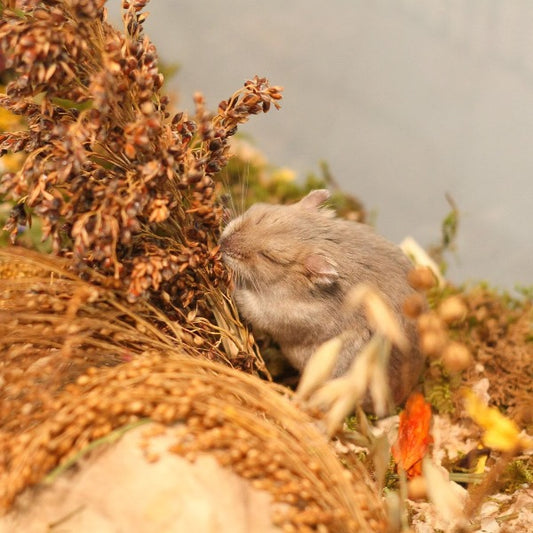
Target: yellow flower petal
<point>501,433</point>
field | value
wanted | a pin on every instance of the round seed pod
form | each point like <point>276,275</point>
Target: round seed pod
<point>452,309</point>
<point>456,357</point>
<point>421,278</point>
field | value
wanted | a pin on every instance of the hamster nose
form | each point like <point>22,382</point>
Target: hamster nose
<point>227,244</point>
<point>231,246</point>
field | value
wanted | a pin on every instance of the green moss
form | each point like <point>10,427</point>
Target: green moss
<point>517,473</point>
<point>439,393</point>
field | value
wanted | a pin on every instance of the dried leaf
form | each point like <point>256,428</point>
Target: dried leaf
<point>413,435</point>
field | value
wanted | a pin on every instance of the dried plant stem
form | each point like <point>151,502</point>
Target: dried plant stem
<point>489,484</point>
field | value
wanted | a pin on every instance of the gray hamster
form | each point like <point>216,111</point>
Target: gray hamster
<point>293,266</point>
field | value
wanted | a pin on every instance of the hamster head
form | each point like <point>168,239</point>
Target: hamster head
<point>272,244</point>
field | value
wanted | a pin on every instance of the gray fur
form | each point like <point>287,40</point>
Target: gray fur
<point>293,267</point>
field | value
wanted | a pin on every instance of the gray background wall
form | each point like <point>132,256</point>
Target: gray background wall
<point>405,99</point>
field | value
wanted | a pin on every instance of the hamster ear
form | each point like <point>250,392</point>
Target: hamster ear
<point>314,199</point>
<point>321,270</point>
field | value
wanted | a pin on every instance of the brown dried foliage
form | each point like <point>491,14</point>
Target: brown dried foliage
<point>121,186</point>
<point>478,333</point>
<point>498,332</point>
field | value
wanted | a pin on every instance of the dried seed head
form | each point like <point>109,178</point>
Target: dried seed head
<point>380,315</point>
<point>319,367</point>
<point>417,488</point>
<point>433,342</point>
<point>413,305</point>
<point>430,321</point>
<point>422,278</point>
<point>452,309</point>
<point>456,357</point>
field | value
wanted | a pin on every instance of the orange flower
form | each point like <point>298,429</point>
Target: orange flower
<point>413,435</point>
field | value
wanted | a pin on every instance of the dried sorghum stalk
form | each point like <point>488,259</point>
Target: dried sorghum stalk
<point>120,185</point>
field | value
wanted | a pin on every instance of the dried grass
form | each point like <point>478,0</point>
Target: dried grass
<point>64,388</point>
